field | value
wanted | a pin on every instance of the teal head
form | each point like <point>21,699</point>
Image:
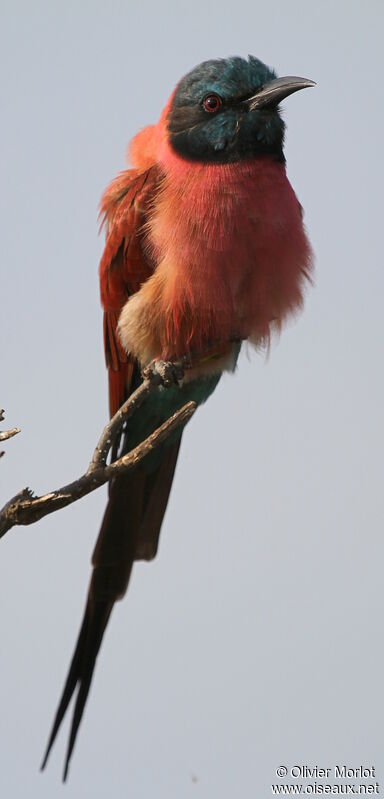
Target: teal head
<point>228,109</point>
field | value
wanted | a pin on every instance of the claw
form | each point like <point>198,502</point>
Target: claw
<point>171,373</point>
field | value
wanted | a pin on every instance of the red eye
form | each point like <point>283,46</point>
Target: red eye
<point>212,103</point>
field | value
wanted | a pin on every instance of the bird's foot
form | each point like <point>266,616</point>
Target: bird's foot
<point>167,373</point>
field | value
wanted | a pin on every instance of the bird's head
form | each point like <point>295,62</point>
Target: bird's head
<point>228,109</point>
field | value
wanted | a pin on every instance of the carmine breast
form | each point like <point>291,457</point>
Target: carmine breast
<point>230,247</point>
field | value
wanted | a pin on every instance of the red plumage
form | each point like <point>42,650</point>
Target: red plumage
<point>230,250</point>
<point>198,255</point>
<point>228,244</point>
<point>123,268</point>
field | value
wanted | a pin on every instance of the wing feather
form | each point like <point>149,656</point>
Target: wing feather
<point>124,267</point>
<point>137,502</point>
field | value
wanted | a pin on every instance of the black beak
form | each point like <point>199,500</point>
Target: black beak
<point>276,90</point>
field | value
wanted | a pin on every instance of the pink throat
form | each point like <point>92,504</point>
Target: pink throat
<point>230,241</point>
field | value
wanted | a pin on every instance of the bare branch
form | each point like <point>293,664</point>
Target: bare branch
<point>25,508</point>
<point>6,434</point>
<point>115,424</point>
<point>9,433</point>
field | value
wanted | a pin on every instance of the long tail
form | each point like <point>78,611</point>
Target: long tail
<point>80,674</point>
<point>130,531</point>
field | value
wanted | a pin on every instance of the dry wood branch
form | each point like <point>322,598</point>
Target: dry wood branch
<point>115,424</point>
<point>25,508</point>
<point>9,433</point>
<point>6,434</point>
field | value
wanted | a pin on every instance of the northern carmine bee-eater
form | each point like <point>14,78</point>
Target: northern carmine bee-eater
<point>205,248</point>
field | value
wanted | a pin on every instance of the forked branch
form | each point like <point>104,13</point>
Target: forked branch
<point>6,434</point>
<point>26,508</point>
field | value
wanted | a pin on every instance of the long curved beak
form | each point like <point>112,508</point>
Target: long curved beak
<point>276,90</point>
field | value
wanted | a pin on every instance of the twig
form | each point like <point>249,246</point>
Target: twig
<point>25,508</point>
<point>9,433</point>
<point>6,434</point>
<point>108,436</point>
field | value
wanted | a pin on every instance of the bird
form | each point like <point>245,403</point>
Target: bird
<point>205,249</point>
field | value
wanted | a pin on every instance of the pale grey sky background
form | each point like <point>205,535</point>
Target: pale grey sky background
<point>256,637</point>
